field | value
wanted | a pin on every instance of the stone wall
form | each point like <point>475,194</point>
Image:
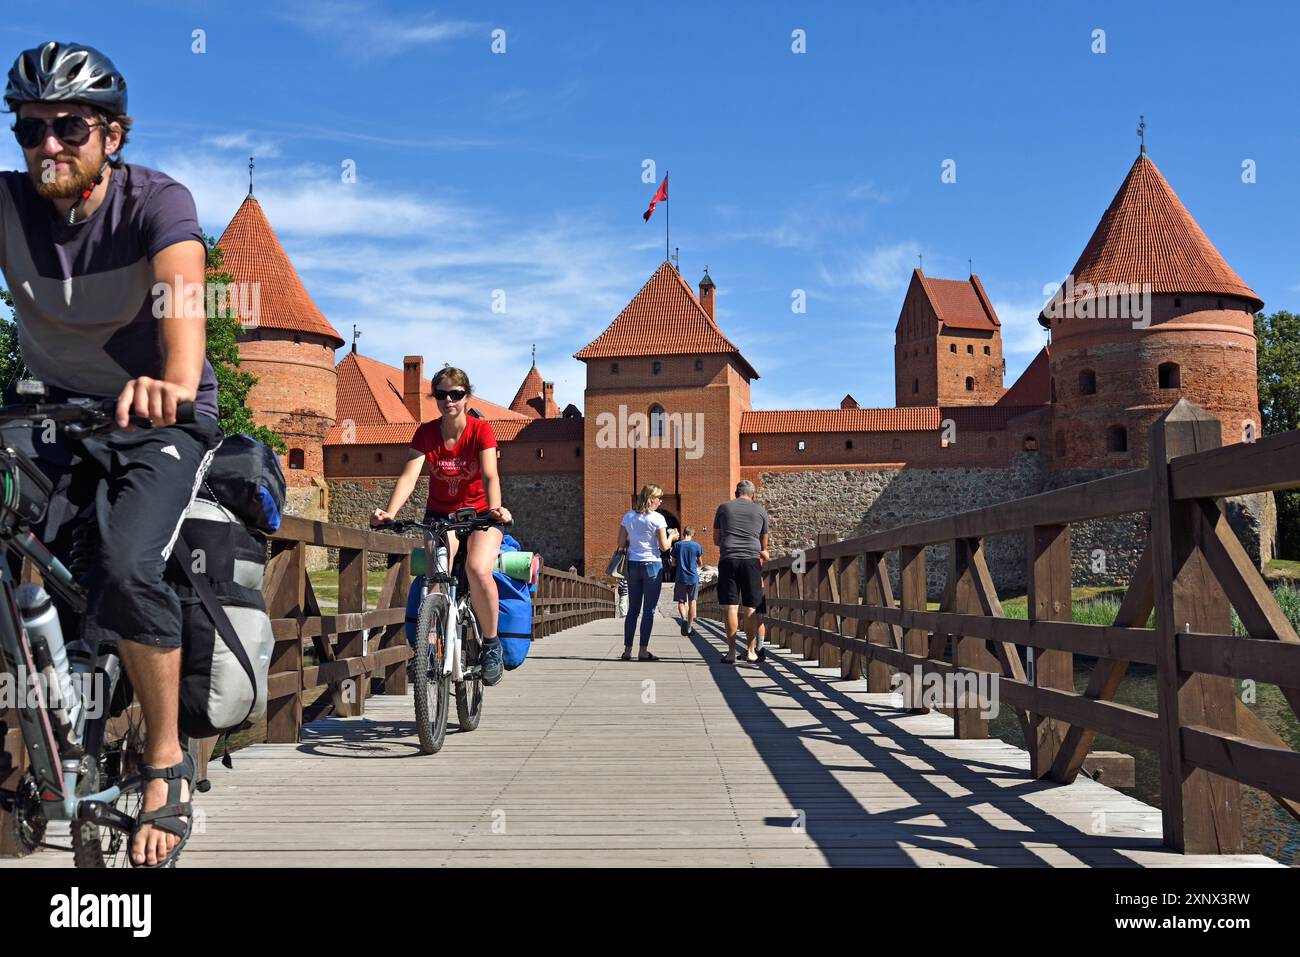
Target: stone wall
<point>857,502</point>
<point>310,502</point>
<point>547,511</point>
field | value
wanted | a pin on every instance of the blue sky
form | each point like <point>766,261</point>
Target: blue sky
<point>522,171</point>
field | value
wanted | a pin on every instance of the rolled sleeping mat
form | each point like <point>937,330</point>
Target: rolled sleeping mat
<point>516,565</point>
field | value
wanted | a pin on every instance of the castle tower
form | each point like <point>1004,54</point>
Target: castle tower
<point>948,344</point>
<point>535,398</point>
<point>1151,313</point>
<point>289,345</point>
<point>665,394</point>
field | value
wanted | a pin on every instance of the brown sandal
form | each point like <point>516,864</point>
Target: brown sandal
<point>626,655</point>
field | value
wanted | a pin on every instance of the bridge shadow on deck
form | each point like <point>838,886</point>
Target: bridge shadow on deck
<point>846,832</point>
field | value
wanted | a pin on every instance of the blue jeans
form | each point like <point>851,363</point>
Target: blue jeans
<point>644,579</point>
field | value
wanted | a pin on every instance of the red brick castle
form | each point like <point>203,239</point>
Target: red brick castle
<point>667,398</point>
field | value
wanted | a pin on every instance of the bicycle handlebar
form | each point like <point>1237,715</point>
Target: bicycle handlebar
<point>441,525</point>
<point>86,417</point>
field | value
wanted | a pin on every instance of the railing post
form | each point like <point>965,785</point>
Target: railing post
<point>1047,552</point>
<point>850,584</point>
<point>1200,811</point>
<point>350,695</point>
<point>878,632</point>
<point>283,589</point>
<point>393,595</point>
<point>912,585</point>
<point>828,590</point>
<point>801,585</point>
<point>967,653</point>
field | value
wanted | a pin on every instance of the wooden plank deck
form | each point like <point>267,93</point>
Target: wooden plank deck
<point>582,759</point>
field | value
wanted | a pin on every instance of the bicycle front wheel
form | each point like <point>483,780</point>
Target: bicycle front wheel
<point>469,693</point>
<point>115,744</point>
<point>431,686</point>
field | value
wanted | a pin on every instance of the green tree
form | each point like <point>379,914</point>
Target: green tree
<point>1278,358</point>
<point>233,384</point>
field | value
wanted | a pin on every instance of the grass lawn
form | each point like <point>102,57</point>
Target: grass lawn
<point>325,584</point>
<point>1282,568</point>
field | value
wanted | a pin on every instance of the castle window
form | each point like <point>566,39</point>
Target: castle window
<point>916,386</point>
<point>699,365</point>
<point>1170,375</point>
<point>1220,306</point>
<point>986,350</point>
<point>897,444</point>
<point>257,335</point>
<point>953,347</point>
<point>970,350</point>
<point>753,446</point>
<point>848,443</point>
<point>1117,439</point>
<point>297,458</point>
<point>1178,303</point>
<point>297,339</point>
<point>656,367</point>
<point>379,456</point>
<point>1087,382</point>
<point>613,368</point>
<point>658,420</point>
<point>541,453</point>
<point>970,384</point>
<point>1030,444</point>
<point>802,446</point>
<point>577,451</point>
<point>345,458</point>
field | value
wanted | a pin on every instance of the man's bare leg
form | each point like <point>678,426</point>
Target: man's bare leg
<point>732,624</point>
<point>155,675</point>
<point>751,631</point>
<point>690,621</point>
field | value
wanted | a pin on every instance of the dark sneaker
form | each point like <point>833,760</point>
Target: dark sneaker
<point>490,659</point>
<point>685,628</point>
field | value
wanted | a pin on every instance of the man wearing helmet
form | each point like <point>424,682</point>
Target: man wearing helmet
<point>87,243</point>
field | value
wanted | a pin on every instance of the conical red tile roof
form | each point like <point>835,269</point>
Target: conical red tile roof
<point>1148,236</point>
<point>530,400</point>
<point>663,319</point>
<point>253,254</point>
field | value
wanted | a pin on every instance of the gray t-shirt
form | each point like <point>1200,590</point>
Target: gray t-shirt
<point>741,521</point>
<point>84,293</point>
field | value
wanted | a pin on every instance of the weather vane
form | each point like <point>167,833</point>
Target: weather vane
<point>1142,132</point>
<point>250,176</point>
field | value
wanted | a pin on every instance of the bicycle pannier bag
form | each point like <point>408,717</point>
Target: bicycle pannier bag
<point>245,476</point>
<point>515,613</point>
<point>228,637</point>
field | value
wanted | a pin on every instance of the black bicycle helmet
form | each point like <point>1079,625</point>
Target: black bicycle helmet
<point>66,72</point>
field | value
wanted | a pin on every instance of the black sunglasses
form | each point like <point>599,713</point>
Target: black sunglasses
<point>454,394</point>
<point>72,129</point>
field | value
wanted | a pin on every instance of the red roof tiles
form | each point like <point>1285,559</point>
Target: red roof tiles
<point>664,318</point>
<point>531,400</point>
<point>253,255</point>
<point>369,397</point>
<point>1034,387</point>
<point>908,419</point>
<point>959,303</point>
<point>1146,235</point>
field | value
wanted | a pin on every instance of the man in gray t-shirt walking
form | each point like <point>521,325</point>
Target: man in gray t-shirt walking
<point>740,532</point>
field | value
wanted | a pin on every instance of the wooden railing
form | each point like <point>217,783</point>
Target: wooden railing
<point>357,651</point>
<point>840,610</point>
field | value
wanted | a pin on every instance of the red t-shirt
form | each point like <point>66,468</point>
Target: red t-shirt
<point>455,476</point>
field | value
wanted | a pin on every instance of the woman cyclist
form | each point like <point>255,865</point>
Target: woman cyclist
<point>461,451</point>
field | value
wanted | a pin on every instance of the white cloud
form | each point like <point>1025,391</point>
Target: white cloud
<point>367,30</point>
<point>1021,333</point>
<point>244,143</point>
<point>884,270</point>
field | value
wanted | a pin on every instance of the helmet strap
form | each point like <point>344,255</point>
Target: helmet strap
<point>86,193</point>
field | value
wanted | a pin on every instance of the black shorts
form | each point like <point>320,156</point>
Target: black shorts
<point>431,516</point>
<point>739,582</point>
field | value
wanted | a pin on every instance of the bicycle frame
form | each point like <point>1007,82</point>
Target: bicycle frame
<point>451,664</point>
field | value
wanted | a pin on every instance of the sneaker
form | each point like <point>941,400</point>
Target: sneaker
<point>490,660</point>
<point>685,628</point>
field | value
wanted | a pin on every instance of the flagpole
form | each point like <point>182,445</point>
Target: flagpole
<point>667,214</point>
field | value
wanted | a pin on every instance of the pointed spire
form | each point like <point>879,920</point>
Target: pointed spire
<point>1142,134</point>
<point>1147,236</point>
<point>250,176</point>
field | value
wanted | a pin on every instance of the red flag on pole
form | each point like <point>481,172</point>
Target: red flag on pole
<point>661,195</point>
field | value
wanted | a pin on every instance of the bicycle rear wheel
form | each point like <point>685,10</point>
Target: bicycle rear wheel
<point>430,685</point>
<point>115,744</point>
<point>469,693</point>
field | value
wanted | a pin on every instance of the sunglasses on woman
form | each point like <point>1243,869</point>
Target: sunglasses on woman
<point>73,130</point>
<point>454,394</point>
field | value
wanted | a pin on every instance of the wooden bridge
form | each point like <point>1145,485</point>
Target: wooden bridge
<point>809,758</point>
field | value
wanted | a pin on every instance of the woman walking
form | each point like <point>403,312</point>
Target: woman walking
<point>644,534</point>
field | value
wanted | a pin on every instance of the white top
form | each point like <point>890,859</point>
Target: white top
<point>643,535</point>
